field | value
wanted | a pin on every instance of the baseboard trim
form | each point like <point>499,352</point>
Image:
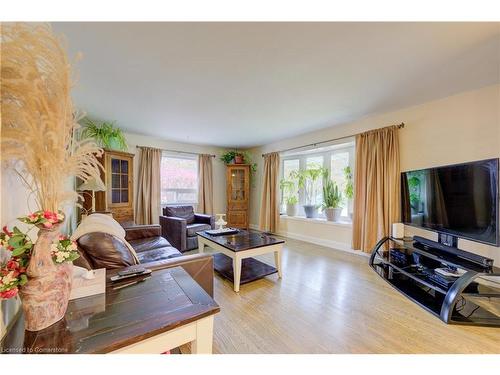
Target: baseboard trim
<point>335,245</point>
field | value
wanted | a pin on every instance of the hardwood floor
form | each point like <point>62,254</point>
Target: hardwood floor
<point>330,301</point>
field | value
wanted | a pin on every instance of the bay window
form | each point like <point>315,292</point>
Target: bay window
<point>335,159</point>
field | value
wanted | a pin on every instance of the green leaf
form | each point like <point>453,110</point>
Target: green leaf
<point>23,279</point>
<point>18,251</point>
<point>65,243</point>
<point>73,256</point>
<point>16,241</point>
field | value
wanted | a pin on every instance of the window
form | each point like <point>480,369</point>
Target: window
<point>179,179</point>
<point>334,159</point>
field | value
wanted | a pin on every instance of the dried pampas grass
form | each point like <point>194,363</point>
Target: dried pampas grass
<point>38,119</point>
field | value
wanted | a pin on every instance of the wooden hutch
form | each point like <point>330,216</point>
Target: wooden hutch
<point>238,195</point>
<point>118,176</point>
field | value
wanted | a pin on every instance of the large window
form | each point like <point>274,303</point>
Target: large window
<point>334,159</point>
<point>179,179</point>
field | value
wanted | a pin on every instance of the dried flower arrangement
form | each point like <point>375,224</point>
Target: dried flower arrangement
<point>38,142</point>
<point>38,120</point>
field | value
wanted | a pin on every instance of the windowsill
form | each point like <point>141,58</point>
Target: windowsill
<point>342,223</point>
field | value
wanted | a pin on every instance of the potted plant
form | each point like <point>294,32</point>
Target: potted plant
<point>288,187</point>
<point>106,135</point>
<point>332,197</point>
<point>349,188</point>
<point>307,180</point>
<point>291,206</point>
<point>239,157</point>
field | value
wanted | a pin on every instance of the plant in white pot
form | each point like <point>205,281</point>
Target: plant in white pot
<point>289,189</point>
<point>307,180</point>
<point>291,206</point>
<point>332,197</point>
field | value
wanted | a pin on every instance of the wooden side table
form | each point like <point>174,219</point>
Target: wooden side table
<point>158,314</point>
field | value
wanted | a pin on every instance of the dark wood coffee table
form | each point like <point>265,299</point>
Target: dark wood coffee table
<point>236,262</point>
<point>158,314</point>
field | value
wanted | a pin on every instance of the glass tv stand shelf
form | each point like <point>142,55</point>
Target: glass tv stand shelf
<point>472,298</point>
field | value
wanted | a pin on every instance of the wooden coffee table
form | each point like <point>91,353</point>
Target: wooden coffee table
<point>163,312</point>
<point>236,262</point>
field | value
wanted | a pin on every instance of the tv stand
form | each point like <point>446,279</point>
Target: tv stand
<point>454,251</point>
<point>473,298</point>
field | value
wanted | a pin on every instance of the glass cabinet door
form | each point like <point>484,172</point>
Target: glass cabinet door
<point>238,180</point>
<point>119,181</point>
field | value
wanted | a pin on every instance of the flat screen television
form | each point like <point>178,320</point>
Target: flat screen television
<point>459,200</point>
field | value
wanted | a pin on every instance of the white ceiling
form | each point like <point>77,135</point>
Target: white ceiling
<point>248,84</point>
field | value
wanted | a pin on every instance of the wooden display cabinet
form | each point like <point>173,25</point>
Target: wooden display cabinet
<point>238,195</point>
<point>118,176</point>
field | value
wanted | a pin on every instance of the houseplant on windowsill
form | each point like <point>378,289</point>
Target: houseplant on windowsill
<point>332,197</point>
<point>38,142</point>
<point>289,190</point>
<point>291,206</point>
<point>307,180</point>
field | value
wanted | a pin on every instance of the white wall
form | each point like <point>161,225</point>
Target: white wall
<point>219,168</point>
<point>455,129</point>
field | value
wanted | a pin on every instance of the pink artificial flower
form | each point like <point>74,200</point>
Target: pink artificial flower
<point>33,217</point>
<point>12,265</point>
<point>47,224</point>
<point>7,232</point>
<point>9,293</point>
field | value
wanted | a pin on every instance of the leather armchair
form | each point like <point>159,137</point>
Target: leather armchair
<point>179,225</point>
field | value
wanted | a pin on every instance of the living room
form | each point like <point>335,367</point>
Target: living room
<point>250,188</point>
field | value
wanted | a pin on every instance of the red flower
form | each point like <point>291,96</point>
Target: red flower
<point>12,265</point>
<point>9,293</point>
<point>10,248</point>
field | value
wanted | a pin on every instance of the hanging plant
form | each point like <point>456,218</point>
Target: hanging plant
<point>106,134</point>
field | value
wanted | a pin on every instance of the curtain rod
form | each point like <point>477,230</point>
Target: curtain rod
<point>179,152</point>
<point>399,126</point>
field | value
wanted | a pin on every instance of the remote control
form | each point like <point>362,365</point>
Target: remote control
<point>120,278</point>
<point>132,271</point>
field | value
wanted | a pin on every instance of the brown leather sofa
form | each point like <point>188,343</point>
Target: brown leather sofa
<point>101,250</point>
<point>179,225</point>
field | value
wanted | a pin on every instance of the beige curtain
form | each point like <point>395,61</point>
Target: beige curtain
<point>205,185</point>
<point>269,208</point>
<point>147,209</point>
<point>377,186</point>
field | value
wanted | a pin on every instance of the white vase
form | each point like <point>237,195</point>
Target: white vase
<point>291,209</point>
<point>333,214</point>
